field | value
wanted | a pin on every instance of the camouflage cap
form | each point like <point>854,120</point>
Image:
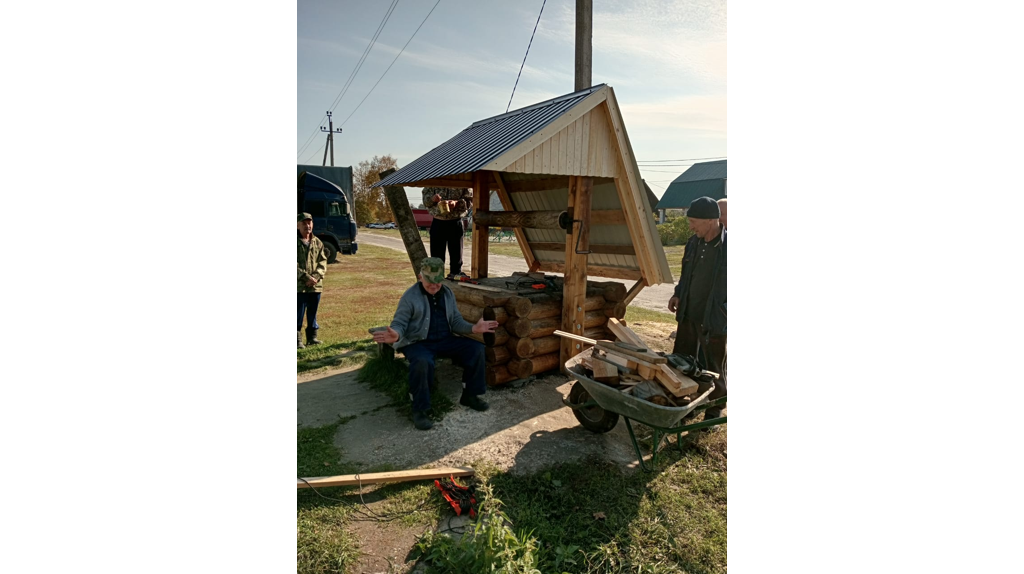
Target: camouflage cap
<point>304,216</point>
<point>432,269</point>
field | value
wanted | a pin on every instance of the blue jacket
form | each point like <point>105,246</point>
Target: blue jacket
<point>412,318</point>
<point>714,319</point>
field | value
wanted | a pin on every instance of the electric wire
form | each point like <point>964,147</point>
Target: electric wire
<point>352,75</point>
<point>684,159</point>
<point>392,63</point>
<point>521,66</point>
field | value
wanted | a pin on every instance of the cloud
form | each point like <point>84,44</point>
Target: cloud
<point>700,113</point>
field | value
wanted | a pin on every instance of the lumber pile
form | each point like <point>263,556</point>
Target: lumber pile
<point>525,343</point>
<point>628,364</point>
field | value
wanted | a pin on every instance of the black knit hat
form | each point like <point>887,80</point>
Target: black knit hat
<point>704,208</point>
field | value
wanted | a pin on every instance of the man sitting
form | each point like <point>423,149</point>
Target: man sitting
<point>425,326</point>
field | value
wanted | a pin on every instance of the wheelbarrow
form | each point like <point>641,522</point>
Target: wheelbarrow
<point>598,406</point>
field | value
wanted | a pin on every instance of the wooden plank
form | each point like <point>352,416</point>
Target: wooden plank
<point>678,384</point>
<point>593,270</point>
<point>585,152</point>
<point>635,290</point>
<point>517,186</point>
<point>627,364</point>
<point>483,287</point>
<point>570,148</point>
<point>528,162</point>
<point>561,166</point>
<point>506,203</point>
<point>604,371</point>
<point>580,338</point>
<point>607,249</point>
<point>402,212</point>
<point>380,477</point>
<point>481,187</point>
<point>623,333</point>
<point>646,356</point>
<point>607,217</point>
<point>645,371</point>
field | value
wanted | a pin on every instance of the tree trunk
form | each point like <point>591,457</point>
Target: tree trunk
<point>406,223</point>
<point>551,307</point>
<point>521,348</point>
<point>529,219</point>
<point>523,368</point>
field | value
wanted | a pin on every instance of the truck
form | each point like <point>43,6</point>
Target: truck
<point>423,218</point>
<point>325,193</point>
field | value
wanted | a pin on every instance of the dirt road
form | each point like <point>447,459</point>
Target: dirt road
<point>654,298</point>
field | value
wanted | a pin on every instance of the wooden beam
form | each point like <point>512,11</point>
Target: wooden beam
<point>405,222</point>
<point>624,333</point>
<point>527,219</point>
<point>379,477</point>
<point>519,186</point>
<point>607,217</point>
<point>594,270</point>
<point>635,290</point>
<point>506,203</point>
<point>442,182</point>
<point>604,249</point>
<point>574,291</point>
<point>481,192</point>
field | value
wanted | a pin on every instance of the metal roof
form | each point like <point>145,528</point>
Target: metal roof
<point>701,179</point>
<point>485,140</point>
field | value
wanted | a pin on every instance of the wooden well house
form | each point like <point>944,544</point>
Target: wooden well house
<point>570,187</point>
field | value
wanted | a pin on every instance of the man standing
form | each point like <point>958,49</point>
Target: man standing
<point>448,205</point>
<point>721,207</point>
<point>312,267</point>
<point>425,326</point>
<point>699,302</point>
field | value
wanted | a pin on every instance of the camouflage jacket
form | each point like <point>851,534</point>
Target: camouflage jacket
<point>312,263</point>
<point>464,196</point>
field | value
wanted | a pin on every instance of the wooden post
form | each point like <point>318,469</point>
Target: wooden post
<point>406,222</point>
<point>481,191</point>
<point>584,43</point>
<point>575,290</point>
<point>635,290</point>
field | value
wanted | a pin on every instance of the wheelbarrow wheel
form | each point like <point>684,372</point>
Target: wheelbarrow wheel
<point>594,419</point>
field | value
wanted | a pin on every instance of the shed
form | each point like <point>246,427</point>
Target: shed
<point>707,178</point>
<point>568,181</point>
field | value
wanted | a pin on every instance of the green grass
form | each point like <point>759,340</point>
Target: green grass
<point>639,314</point>
<point>391,378</point>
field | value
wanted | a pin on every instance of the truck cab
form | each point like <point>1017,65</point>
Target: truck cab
<point>333,219</point>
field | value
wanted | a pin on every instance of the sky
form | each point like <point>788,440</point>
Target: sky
<point>666,61</point>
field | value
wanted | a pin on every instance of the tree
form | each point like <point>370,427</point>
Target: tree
<point>371,205</point>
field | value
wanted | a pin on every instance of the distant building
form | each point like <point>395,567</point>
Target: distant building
<point>701,179</point>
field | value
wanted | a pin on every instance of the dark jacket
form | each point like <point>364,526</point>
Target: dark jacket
<point>412,318</point>
<point>714,319</point>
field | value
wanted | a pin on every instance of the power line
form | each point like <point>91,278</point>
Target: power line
<point>392,62</point>
<point>351,76</point>
<point>683,160</point>
<point>521,66</point>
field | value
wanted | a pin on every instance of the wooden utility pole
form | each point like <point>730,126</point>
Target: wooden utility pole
<point>330,138</point>
<point>405,222</point>
<point>584,44</point>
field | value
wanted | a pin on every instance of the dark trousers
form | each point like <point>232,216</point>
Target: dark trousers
<point>308,304</point>
<point>466,352</point>
<point>447,234</point>
<point>712,354</point>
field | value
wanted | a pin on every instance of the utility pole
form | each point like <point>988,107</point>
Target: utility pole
<point>330,138</point>
<point>584,44</point>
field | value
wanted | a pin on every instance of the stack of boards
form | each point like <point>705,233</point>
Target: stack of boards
<point>630,365</point>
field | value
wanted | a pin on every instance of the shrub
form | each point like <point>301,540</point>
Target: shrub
<point>675,231</point>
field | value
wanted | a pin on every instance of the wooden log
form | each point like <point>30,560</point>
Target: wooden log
<point>521,327</point>
<point>500,337</point>
<point>551,307</point>
<point>472,313</point>
<point>548,325</point>
<point>523,368</point>
<point>527,219</point>
<point>519,306</point>
<point>610,290</point>
<point>406,222</point>
<point>381,477</point>
<point>521,348</point>
<point>545,345</point>
<point>497,355</point>
<point>615,309</point>
<point>498,375</point>
<point>476,296</point>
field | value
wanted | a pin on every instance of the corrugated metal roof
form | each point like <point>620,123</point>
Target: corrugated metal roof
<point>707,178</point>
<point>485,140</point>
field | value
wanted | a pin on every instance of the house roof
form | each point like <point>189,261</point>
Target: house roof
<point>701,179</point>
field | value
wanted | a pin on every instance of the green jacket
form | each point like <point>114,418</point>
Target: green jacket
<point>312,263</point>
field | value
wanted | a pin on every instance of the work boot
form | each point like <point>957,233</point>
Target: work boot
<point>301,346</point>
<point>311,337</point>
<point>712,413</point>
<point>421,421</point>
<point>474,402</point>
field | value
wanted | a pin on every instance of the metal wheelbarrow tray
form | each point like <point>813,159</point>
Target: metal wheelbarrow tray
<point>597,407</point>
